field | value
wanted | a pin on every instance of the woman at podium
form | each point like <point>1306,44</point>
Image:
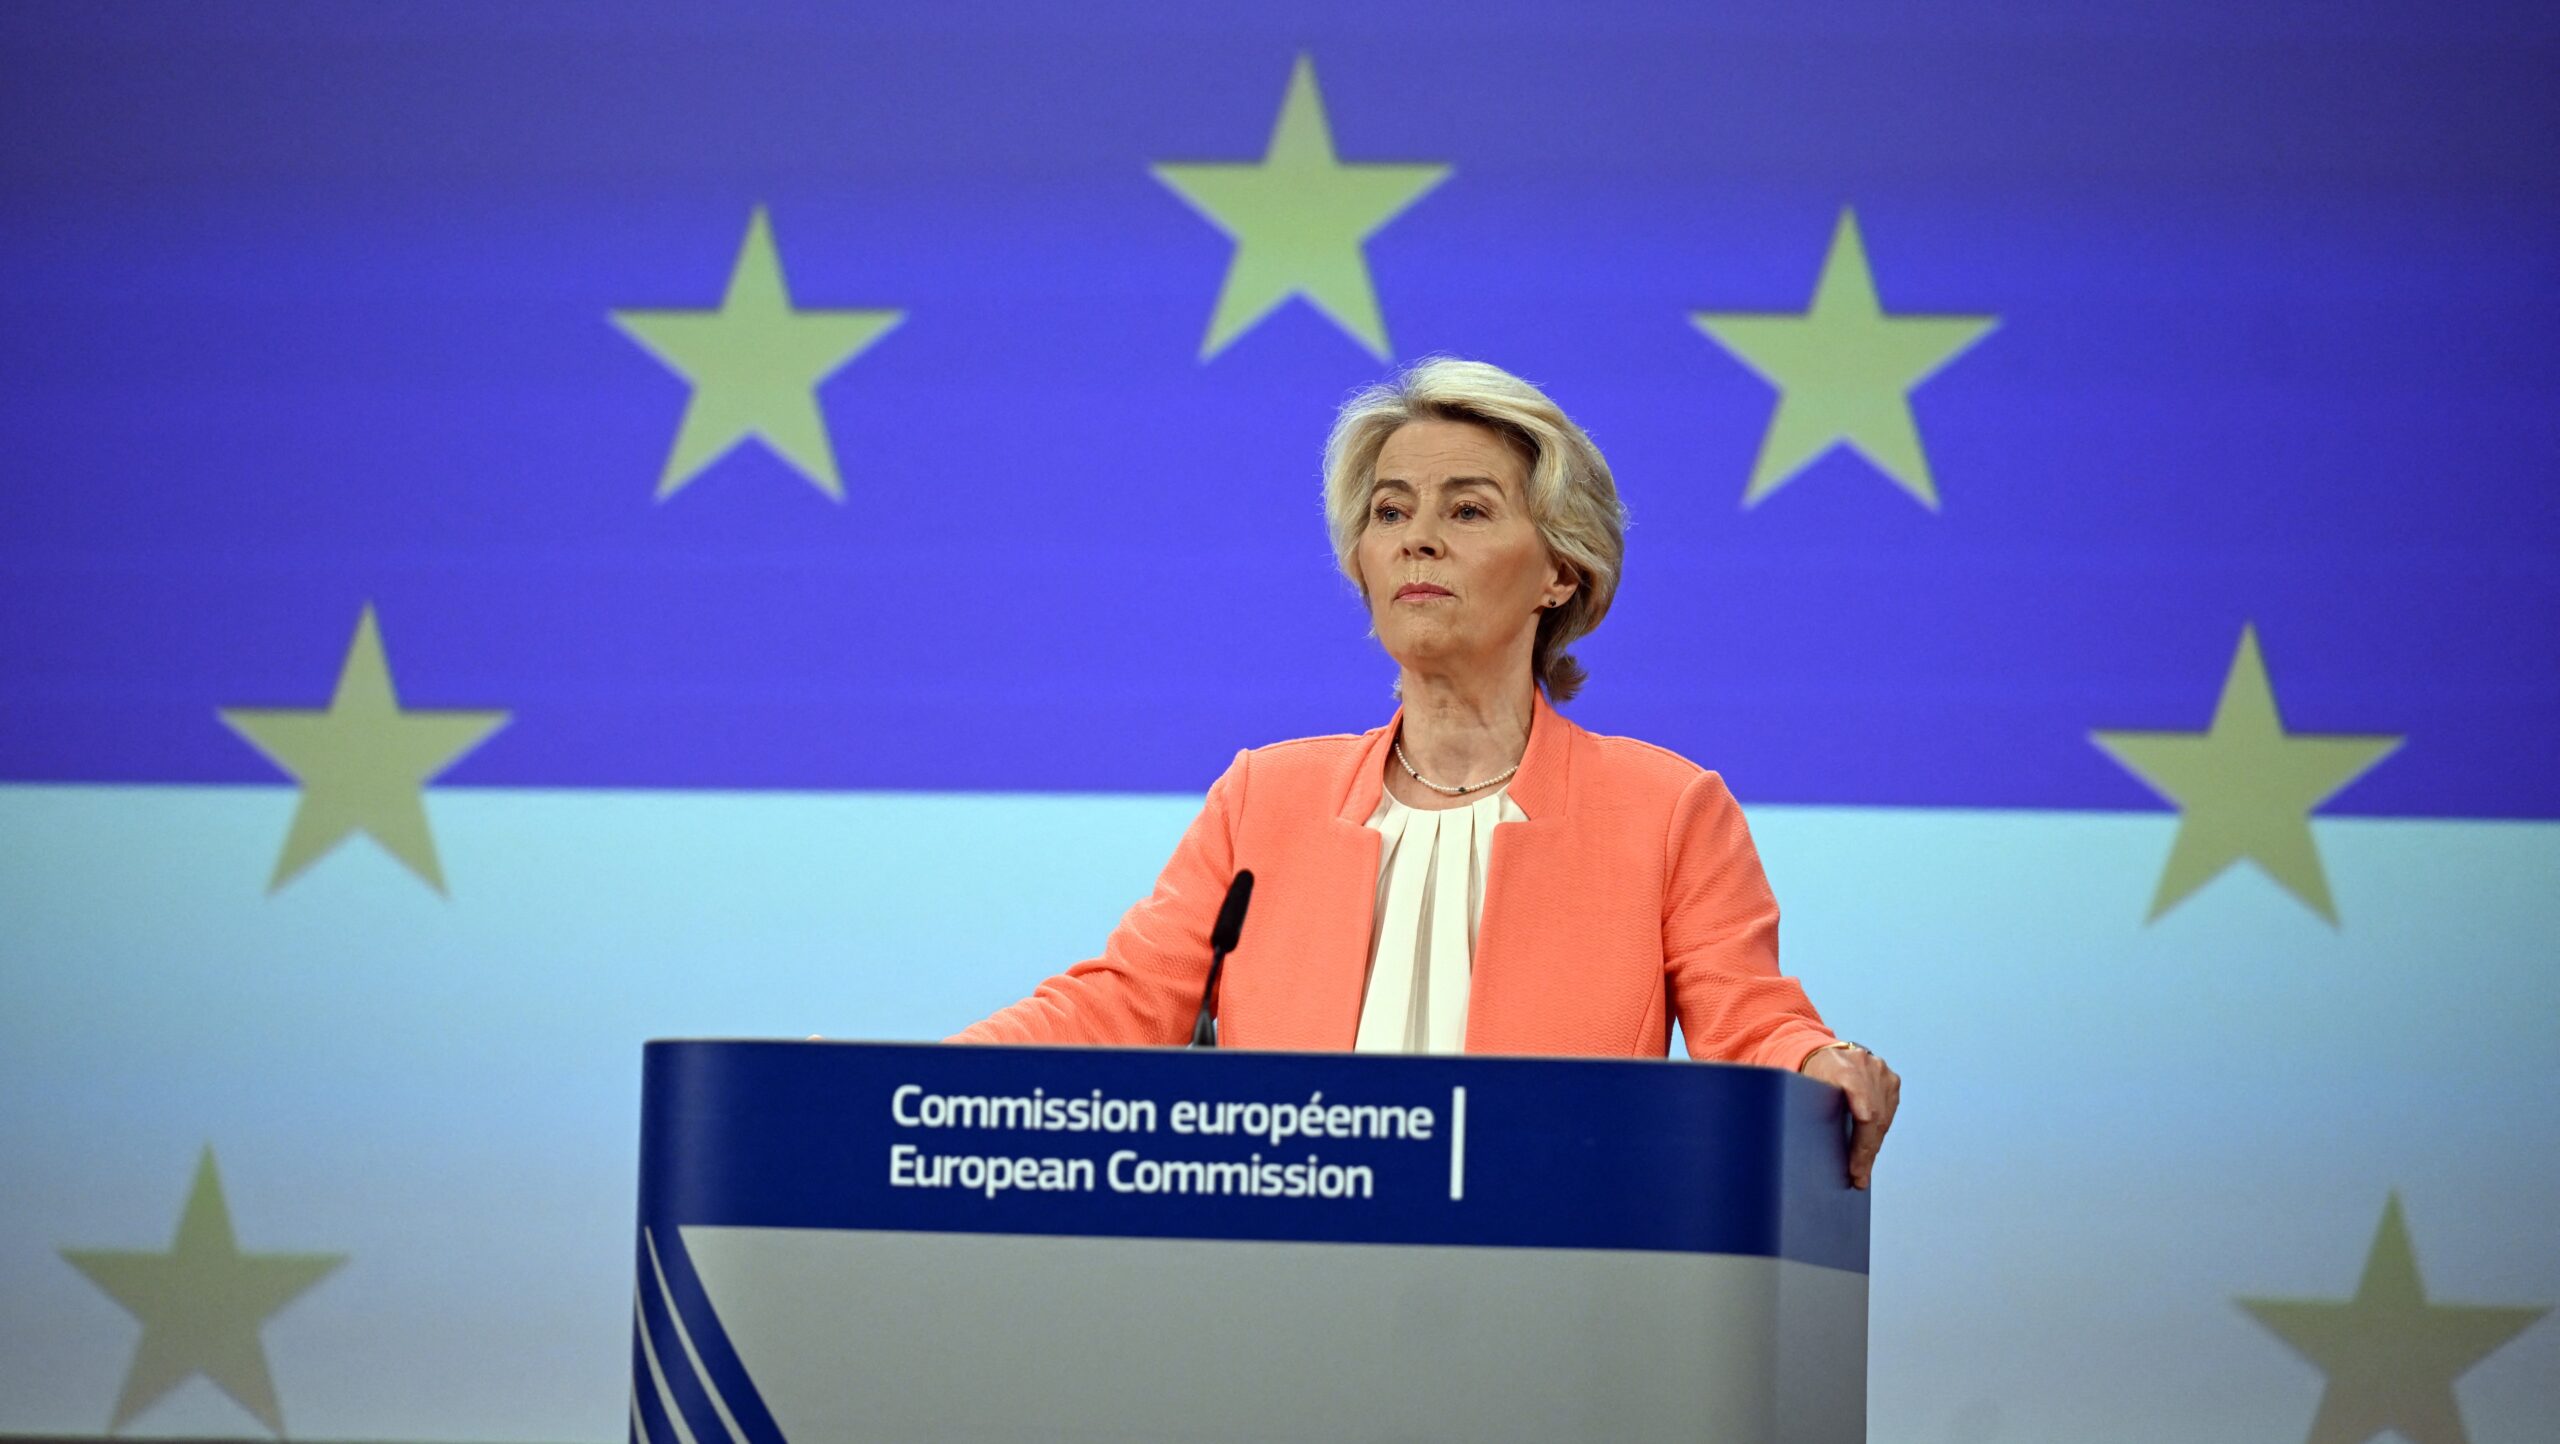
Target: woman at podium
<point>1478,874</point>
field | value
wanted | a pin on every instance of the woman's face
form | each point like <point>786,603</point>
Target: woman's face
<point>1456,572</point>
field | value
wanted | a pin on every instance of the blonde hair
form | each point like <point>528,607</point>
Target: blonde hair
<point>1572,498</point>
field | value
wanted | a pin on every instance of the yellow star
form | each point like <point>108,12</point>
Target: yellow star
<point>1844,372</point>
<point>2390,1355</point>
<point>201,1305</point>
<point>755,365</point>
<point>1298,220</point>
<point>2246,787</point>
<point>363,762</point>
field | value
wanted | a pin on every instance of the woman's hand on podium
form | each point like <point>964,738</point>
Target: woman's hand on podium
<point>1874,1090</point>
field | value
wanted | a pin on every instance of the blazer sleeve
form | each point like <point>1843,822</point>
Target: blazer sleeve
<point>1720,940</point>
<point>1145,988</point>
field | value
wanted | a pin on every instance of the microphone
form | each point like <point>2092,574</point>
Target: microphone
<point>1222,941</point>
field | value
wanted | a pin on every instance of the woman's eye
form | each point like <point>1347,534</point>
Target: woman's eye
<point>1387,513</point>
<point>1470,510</point>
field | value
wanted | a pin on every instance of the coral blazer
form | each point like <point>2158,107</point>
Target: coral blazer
<point>1631,895</point>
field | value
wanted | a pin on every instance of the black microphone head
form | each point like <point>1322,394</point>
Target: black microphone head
<point>1222,938</point>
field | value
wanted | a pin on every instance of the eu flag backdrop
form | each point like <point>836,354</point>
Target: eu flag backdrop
<point>534,526</point>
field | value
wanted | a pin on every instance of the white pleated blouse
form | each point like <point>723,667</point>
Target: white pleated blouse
<point>1422,945</point>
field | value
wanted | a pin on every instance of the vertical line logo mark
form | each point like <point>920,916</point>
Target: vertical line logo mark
<point>1457,1143</point>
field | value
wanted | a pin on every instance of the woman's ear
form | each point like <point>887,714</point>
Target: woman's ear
<point>1561,590</point>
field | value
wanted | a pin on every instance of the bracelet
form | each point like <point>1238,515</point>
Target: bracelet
<point>1827,1047</point>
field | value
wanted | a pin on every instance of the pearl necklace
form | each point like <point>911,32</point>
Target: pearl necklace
<point>1443,789</point>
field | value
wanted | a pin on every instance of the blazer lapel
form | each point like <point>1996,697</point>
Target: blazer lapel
<point>1342,860</point>
<point>1513,944</point>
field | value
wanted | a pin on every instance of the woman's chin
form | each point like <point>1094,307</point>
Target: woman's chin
<point>1429,650</point>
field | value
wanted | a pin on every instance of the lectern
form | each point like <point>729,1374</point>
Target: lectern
<point>909,1242</point>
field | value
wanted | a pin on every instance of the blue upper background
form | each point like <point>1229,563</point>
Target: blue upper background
<point>306,307</point>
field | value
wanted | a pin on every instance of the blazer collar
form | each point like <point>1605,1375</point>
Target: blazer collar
<point>1540,786</point>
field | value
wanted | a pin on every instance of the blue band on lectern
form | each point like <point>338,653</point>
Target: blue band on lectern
<point>1481,1152</point>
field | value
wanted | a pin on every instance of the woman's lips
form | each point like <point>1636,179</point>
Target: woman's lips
<point>1420,589</point>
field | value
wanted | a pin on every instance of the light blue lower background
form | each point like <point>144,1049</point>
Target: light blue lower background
<point>2111,1131</point>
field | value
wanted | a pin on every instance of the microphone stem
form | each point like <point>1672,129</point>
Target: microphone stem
<point>1204,1029</point>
